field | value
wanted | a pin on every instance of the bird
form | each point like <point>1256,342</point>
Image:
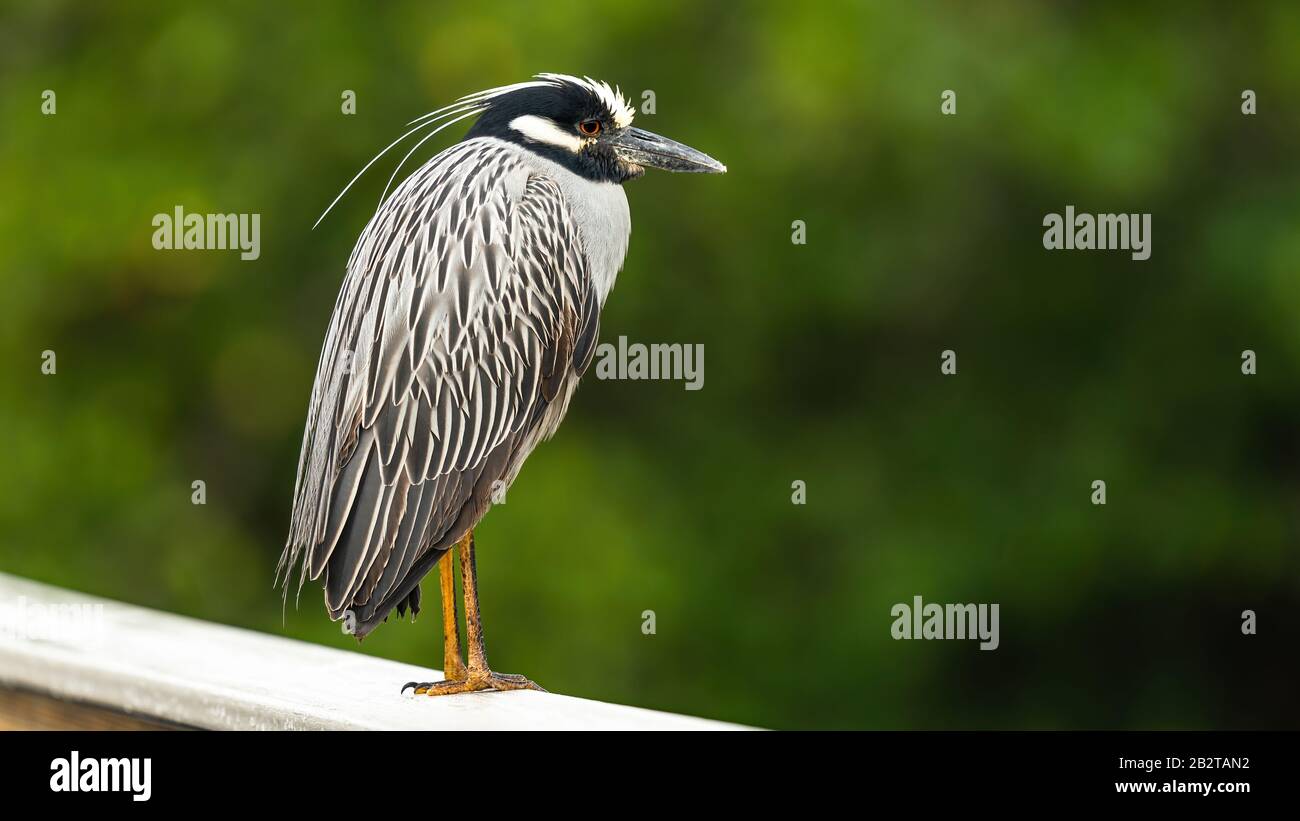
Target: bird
<point>469,311</point>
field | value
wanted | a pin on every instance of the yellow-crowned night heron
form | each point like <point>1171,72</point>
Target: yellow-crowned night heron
<point>469,311</point>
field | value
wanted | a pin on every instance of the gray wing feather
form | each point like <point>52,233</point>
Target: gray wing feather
<point>466,315</point>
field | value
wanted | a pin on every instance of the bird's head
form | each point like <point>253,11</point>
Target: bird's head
<point>583,125</point>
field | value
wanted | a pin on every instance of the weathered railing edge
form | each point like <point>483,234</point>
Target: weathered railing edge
<point>189,672</point>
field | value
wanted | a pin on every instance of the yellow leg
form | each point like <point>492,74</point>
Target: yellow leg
<point>479,676</point>
<point>452,666</point>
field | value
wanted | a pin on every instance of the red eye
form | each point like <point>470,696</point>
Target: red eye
<point>589,127</point>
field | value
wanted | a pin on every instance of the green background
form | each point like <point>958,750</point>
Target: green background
<point>821,361</point>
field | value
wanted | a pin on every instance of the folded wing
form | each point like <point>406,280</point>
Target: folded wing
<point>466,316</point>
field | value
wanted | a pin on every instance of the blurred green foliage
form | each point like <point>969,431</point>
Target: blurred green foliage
<point>822,361</point>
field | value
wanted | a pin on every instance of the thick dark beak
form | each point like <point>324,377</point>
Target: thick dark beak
<point>652,151</point>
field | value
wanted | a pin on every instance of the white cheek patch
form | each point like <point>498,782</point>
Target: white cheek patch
<point>543,130</point>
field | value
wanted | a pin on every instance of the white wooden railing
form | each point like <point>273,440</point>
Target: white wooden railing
<point>67,646</point>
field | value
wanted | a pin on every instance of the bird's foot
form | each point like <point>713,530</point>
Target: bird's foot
<point>472,684</point>
<point>453,669</point>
